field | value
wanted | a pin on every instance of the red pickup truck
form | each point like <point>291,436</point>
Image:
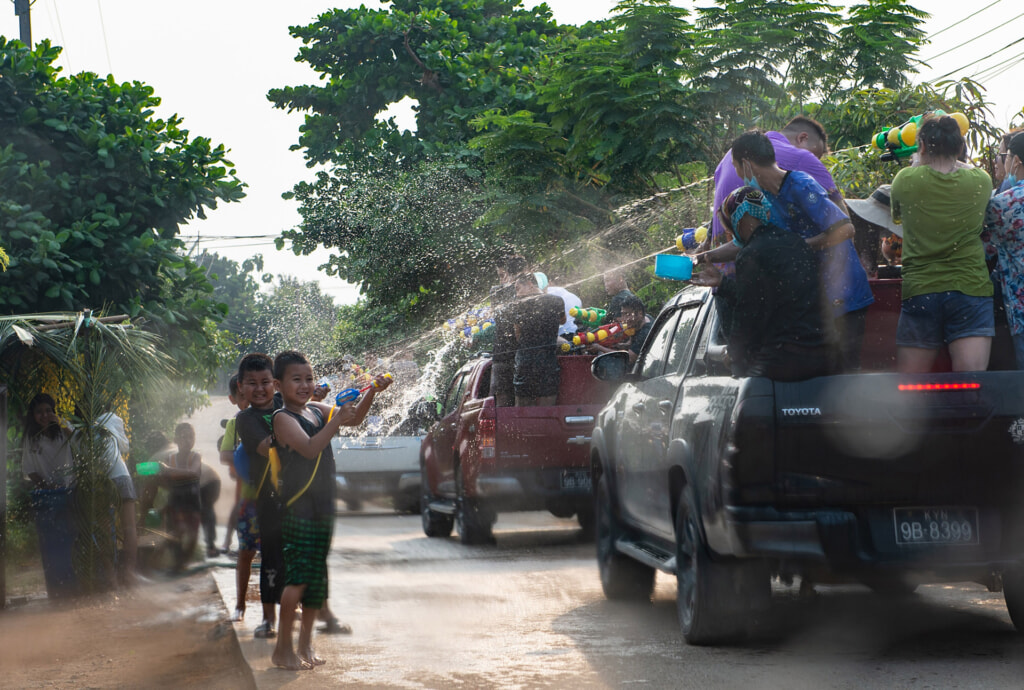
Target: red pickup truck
<point>479,459</point>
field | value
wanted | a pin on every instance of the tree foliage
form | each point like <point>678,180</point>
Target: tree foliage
<point>555,127</point>
<point>455,58</point>
<point>295,315</point>
<point>94,190</point>
<point>857,167</point>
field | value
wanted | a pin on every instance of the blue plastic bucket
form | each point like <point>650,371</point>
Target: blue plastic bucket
<point>673,266</point>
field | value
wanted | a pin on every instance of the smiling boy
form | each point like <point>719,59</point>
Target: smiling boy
<point>256,384</point>
<point>303,430</point>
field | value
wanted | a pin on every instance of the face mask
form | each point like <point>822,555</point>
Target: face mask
<point>750,180</point>
<point>1011,179</point>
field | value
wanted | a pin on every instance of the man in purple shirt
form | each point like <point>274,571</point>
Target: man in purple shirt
<point>797,147</point>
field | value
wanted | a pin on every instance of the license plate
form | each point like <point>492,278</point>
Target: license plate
<point>576,480</point>
<point>950,525</point>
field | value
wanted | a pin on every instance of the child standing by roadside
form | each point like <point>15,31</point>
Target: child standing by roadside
<point>243,514</point>
<point>181,471</point>
<point>256,384</point>
<point>303,432</point>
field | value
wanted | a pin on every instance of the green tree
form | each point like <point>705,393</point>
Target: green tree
<point>455,58</point>
<point>857,167</point>
<point>296,315</point>
<point>94,191</point>
<point>876,48</point>
<point>404,232</point>
<point>573,157</point>
<point>235,285</point>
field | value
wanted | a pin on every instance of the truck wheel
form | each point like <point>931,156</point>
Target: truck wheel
<point>474,521</point>
<point>586,517</point>
<point>434,524</point>
<point>621,576</point>
<point>1013,593</point>
<point>715,601</point>
<point>891,586</point>
<point>406,502</point>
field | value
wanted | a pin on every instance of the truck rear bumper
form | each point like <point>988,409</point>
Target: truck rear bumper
<point>846,542</point>
<point>529,489</point>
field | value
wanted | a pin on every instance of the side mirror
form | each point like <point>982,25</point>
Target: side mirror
<point>611,366</point>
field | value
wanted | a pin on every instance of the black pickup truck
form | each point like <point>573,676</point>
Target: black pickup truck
<point>880,478</point>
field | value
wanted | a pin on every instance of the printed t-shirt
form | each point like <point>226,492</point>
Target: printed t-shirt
<point>1004,226</point>
<point>802,206</point>
<point>942,217</point>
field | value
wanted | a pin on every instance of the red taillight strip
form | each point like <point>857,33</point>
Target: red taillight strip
<point>939,386</point>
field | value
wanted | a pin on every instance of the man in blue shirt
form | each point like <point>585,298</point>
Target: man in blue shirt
<point>803,206</point>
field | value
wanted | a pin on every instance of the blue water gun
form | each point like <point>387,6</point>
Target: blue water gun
<point>352,394</point>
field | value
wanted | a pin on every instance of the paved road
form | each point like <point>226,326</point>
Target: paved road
<point>529,613</point>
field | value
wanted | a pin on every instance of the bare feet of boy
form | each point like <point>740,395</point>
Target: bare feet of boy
<point>310,657</point>
<point>289,662</point>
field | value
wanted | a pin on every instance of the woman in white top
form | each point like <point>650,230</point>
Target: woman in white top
<point>47,457</point>
<point>47,462</point>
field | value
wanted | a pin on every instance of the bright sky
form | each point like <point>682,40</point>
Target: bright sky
<point>213,61</point>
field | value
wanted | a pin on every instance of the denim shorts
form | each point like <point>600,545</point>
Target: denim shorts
<point>932,320</point>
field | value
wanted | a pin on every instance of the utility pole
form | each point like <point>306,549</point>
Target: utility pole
<point>22,8</point>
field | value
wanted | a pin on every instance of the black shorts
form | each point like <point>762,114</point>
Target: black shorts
<point>270,515</point>
<point>536,378</point>
<point>501,379</point>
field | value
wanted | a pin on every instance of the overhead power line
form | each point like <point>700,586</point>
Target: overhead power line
<point>974,62</point>
<point>103,30</point>
<point>961,21</point>
<point>972,40</point>
<point>998,68</point>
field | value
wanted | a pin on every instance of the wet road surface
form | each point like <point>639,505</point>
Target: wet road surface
<point>528,612</point>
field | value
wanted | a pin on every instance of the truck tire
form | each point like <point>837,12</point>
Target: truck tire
<point>715,601</point>
<point>1013,593</point>
<point>622,578</point>
<point>475,522</point>
<point>890,586</point>
<point>586,517</point>
<point>406,502</point>
<point>434,524</point>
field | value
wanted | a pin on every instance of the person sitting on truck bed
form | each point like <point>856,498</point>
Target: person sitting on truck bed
<point>632,317</point>
<point>536,318</point>
<point>778,328</point>
<point>618,291</point>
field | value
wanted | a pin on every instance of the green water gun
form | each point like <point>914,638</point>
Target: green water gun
<point>588,314</point>
<point>899,142</point>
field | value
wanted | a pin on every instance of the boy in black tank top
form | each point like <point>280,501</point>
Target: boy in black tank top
<point>302,434</point>
<point>253,426</point>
